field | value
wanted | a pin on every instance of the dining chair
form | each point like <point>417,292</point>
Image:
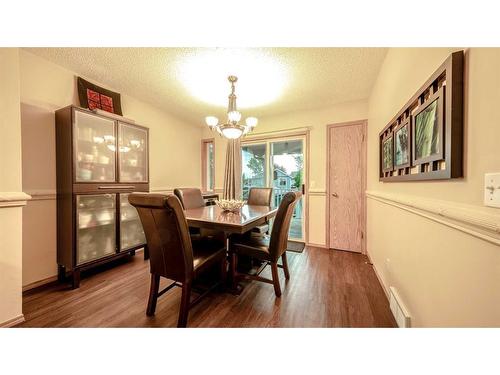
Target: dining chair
<point>190,197</point>
<point>173,254</point>
<point>260,197</point>
<point>267,249</point>
<point>193,198</point>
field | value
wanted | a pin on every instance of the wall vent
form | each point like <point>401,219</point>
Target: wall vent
<point>398,309</point>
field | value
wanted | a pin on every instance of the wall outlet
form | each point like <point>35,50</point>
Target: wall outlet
<point>492,189</point>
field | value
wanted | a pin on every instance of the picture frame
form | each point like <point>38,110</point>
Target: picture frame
<point>387,153</point>
<point>428,137</point>
<point>95,97</point>
<point>445,159</point>
<point>402,144</point>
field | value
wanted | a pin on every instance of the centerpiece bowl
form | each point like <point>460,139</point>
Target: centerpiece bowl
<point>230,204</point>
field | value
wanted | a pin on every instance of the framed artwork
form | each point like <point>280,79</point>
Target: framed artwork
<point>402,157</point>
<point>94,97</point>
<point>427,132</point>
<point>387,153</point>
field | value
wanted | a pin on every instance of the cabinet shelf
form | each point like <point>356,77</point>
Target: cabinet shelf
<point>93,226</point>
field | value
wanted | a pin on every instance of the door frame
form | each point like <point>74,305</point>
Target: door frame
<point>278,135</point>
<point>204,143</point>
<point>364,124</point>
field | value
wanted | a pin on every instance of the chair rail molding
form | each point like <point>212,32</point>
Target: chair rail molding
<point>159,189</point>
<point>42,194</point>
<point>480,222</point>
<point>13,199</point>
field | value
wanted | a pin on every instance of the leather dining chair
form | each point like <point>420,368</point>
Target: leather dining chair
<point>173,254</point>
<point>266,249</point>
<point>190,197</point>
<point>260,197</point>
<point>193,198</point>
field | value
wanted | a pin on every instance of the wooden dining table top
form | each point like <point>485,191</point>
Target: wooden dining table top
<point>213,217</point>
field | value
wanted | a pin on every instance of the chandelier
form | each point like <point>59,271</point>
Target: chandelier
<point>232,129</point>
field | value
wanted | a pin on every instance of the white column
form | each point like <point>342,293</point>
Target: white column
<point>11,196</point>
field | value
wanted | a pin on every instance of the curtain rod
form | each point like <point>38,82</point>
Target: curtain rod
<point>280,131</point>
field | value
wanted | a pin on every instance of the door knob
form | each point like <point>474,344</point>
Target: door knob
<point>335,195</point>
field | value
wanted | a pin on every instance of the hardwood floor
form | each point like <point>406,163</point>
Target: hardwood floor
<point>327,288</point>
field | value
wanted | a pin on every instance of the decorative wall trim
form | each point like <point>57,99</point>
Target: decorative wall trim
<point>49,194</point>
<point>170,190</point>
<point>13,199</point>
<point>377,273</point>
<point>39,283</point>
<point>166,190</point>
<point>279,133</point>
<point>43,195</point>
<point>13,322</point>
<point>480,222</point>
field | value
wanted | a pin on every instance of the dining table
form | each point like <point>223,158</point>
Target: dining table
<point>229,222</point>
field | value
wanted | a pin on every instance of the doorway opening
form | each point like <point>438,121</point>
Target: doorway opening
<point>278,163</point>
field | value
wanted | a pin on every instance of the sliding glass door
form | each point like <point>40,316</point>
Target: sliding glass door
<point>278,163</point>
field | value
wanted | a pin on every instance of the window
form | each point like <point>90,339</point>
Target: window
<point>208,164</point>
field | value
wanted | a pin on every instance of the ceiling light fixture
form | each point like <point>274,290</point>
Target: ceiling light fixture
<point>232,129</point>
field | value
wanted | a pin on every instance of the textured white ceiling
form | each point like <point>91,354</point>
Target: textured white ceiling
<point>315,77</point>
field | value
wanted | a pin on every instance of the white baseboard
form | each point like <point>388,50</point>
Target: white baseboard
<point>13,322</point>
<point>321,246</point>
<point>53,278</point>
<point>386,289</point>
<point>39,283</point>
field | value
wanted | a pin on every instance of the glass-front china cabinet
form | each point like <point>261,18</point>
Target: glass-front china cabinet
<point>100,161</point>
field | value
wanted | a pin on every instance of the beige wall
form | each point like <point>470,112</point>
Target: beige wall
<point>444,276</point>
<point>10,186</point>
<point>46,87</point>
<point>316,120</point>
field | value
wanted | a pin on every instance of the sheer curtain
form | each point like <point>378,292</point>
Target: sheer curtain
<point>232,171</point>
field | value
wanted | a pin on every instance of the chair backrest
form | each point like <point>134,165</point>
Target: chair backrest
<point>260,196</point>
<point>190,197</point>
<point>281,225</point>
<point>167,234</point>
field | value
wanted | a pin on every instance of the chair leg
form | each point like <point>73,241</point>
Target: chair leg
<point>285,266</point>
<point>184,309</point>
<point>276,280</point>
<point>234,263</point>
<point>153,294</point>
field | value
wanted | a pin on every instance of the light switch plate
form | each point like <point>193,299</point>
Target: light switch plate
<point>492,189</point>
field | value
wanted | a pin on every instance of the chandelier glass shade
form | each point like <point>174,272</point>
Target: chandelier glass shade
<point>232,129</point>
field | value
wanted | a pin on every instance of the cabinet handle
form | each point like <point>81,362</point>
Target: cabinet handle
<point>335,195</point>
<point>105,187</point>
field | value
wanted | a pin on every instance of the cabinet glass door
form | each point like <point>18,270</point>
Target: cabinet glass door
<point>133,153</point>
<point>96,226</point>
<point>131,232</point>
<point>95,147</point>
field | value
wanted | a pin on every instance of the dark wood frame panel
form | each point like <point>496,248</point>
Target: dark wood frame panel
<point>448,77</point>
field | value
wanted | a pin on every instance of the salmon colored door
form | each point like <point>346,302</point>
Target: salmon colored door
<point>346,185</point>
